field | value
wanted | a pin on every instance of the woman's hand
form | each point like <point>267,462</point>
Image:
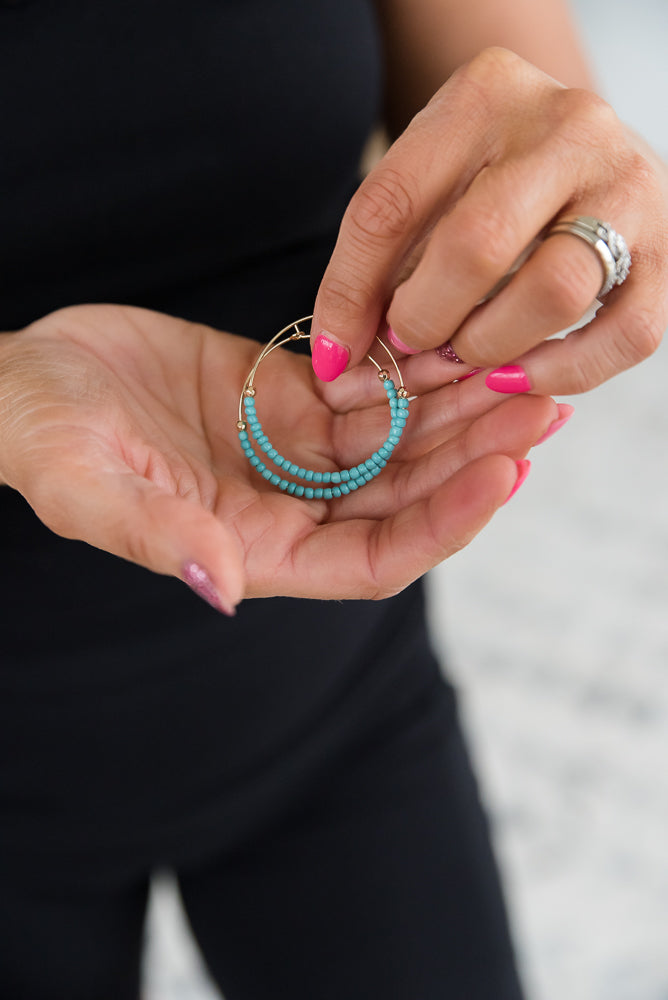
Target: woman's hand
<point>500,153</point>
<point>118,425</point>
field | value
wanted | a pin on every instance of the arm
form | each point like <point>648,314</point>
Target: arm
<point>426,40</point>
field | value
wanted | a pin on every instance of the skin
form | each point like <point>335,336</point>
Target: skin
<point>499,153</point>
<point>114,427</point>
<point>113,424</point>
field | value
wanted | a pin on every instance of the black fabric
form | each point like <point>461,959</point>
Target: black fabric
<point>197,158</point>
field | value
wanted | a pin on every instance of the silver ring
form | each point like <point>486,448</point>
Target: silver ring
<point>611,248</point>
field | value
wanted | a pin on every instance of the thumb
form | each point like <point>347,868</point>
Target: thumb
<point>130,517</point>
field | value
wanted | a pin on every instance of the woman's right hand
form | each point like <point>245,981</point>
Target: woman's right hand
<point>118,426</point>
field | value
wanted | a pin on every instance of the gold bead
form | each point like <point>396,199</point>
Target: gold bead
<point>383,374</point>
<point>249,390</point>
<point>241,425</point>
<point>402,392</point>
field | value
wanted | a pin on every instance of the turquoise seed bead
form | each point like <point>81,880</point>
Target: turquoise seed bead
<point>343,481</point>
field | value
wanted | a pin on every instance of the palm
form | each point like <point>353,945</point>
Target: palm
<point>130,443</point>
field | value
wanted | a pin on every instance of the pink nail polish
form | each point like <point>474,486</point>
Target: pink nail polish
<point>201,583</point>
<point>566,411</point>
<point>399,344</point>
<point>329,358</point>
<point>523,467</point>
<point>510,378</point>
<point>448,353</point>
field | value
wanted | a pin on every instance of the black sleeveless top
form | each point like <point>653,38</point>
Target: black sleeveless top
<point>194,158</point>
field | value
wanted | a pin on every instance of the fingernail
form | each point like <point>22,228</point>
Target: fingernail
<point>510,378</point>
<point>329,358</point>
<point>523,467</point>
<point>399,344</point>
<point>448,353</point>
<point>463,378</point>
<point>199,580</point>
<point>566,411</point>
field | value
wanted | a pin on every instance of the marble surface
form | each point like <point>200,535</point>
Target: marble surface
<point>554,623</point>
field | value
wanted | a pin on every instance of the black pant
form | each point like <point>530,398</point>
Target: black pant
<point>381,884</point>
<point>300,767</point>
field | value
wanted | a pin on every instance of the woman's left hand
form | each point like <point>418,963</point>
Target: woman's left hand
<point>498,155</point>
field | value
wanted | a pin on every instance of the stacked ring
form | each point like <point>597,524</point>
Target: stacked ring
<point>610,246</point>
<point>326,485</point>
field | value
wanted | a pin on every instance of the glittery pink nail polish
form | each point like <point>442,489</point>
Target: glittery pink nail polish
<point>523,467</point>
<point>566,411</point>
<point>448,353</point>
<point>329,358</point>
<point>201,583</point>
<point>399,344</point>
<point>510,378</point>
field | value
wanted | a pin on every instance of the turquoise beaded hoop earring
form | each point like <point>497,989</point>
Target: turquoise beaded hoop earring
<point>319,485</point>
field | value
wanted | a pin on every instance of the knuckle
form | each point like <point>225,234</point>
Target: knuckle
<point>587,112</point>
<point>567,289</point>
<point>344,294</point>
<point>639,336</point>
<point>490,240</point>
<point>493,63</point>
<point>385,205</point>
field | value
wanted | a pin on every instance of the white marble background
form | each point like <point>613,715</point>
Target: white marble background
<point>556,629</point>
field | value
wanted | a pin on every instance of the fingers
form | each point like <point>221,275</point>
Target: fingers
<point>370,559</point>
<point>474,246</point>
<point>510,429</point>
<point>623,334</point>
<point>499,154</point>
<point>426,169</point>
<point>130,517</point>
